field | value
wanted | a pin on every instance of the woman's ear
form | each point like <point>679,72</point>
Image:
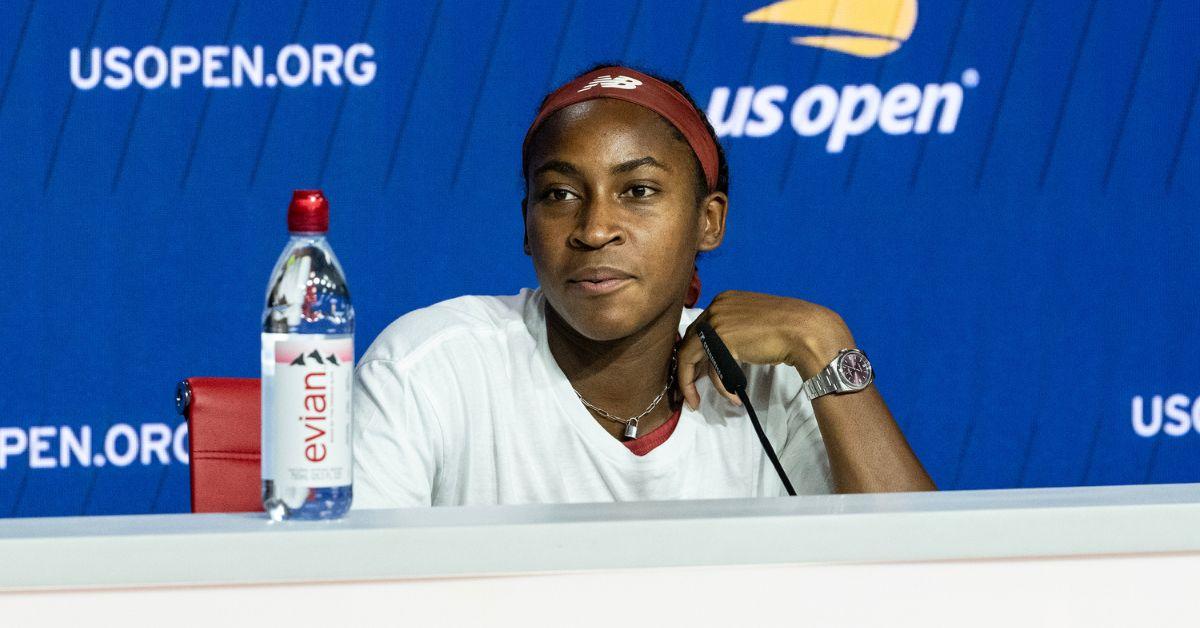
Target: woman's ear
<point>713,210</point>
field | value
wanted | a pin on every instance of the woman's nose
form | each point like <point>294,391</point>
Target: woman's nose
<point>598,225</point>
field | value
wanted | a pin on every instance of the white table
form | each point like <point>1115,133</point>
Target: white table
<point>1102,554</point>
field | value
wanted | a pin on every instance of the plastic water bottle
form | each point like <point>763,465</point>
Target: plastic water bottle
<point>307,371</point>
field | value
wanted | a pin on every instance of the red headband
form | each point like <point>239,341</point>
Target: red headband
<point>630,85</point>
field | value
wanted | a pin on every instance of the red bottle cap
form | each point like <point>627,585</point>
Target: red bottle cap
<point>308,212</point>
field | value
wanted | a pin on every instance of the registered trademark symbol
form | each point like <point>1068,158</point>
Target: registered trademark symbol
<point>970,77</point>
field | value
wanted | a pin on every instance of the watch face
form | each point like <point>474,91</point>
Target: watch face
<point>855,369</point>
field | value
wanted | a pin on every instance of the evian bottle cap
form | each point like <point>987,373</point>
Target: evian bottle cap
<point>308,212</point>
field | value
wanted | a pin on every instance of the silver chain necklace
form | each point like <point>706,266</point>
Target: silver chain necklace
<point>631,424</point>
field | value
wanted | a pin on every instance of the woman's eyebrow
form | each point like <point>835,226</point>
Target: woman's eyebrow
<point>557,165</point>
<point>634,164</point>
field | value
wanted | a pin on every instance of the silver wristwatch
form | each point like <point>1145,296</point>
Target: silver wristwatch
<point>849,372</point>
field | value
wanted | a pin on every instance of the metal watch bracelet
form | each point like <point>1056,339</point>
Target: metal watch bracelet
<point>820,384</point>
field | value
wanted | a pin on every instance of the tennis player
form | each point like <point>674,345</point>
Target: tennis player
<point>594,386</point>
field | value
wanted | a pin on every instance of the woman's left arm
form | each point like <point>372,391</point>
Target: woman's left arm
<point>867,451</point>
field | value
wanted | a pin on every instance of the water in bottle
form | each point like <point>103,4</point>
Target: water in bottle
<point>307,372</point>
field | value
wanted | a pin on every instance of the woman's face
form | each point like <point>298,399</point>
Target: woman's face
<point>611,217</point>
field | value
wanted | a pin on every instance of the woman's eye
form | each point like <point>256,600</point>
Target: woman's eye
<point>641,191</point>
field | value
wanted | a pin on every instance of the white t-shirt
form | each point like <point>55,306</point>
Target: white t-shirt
<point>462,403</point>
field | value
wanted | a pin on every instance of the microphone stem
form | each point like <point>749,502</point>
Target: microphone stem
<point>766,444</point>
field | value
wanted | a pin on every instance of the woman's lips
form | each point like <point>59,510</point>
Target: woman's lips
<point>600,286</point>
<point>599,280</point>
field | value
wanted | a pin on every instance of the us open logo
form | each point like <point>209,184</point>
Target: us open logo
<point>863,28</point>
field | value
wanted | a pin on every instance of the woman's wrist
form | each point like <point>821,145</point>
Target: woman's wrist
<point>816,341</point>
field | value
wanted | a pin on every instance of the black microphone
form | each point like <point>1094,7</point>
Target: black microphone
<point>734,380</point>
<point>728,370</point>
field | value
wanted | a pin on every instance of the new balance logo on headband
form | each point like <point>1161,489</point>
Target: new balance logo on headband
<point>606,80</point>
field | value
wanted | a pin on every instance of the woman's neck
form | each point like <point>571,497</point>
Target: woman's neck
<point>622,376</point>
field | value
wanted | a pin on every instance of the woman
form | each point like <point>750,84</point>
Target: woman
<point>595,387</point>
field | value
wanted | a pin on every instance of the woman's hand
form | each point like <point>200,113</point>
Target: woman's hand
<point>867,451</point>
<point>762,329</point>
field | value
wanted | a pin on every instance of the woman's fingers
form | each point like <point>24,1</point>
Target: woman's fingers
<point>720,386</point>
<point>690,358</point>
<point>694,364</point>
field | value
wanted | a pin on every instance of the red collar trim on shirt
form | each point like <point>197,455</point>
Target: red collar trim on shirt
<point>647,442</point>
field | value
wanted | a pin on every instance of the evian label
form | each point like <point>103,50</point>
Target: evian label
<point>306,409</point>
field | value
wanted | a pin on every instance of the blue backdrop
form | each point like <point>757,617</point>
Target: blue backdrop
<point>1003,207</point>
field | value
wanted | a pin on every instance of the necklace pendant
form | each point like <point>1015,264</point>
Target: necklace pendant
<point>631,428</point>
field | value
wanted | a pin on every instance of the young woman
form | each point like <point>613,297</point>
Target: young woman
<point>594,386</point>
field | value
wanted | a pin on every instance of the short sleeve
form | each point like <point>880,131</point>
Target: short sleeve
<point>397,439</point>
